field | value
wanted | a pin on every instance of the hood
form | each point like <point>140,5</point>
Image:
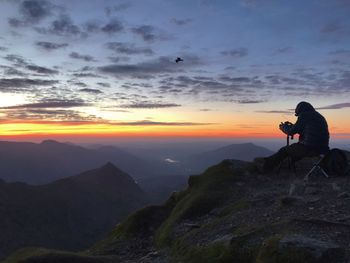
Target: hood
<point>303,107</point>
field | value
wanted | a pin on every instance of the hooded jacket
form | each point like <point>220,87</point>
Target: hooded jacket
<point>311,126</point>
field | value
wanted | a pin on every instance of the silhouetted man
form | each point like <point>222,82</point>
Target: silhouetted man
<point>313,137</point>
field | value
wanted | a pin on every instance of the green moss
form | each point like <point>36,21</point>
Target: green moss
<point>214,253</point>
<point>271,253</point>
<point>238,252</point>
<point>141,223</point>
<point>244,250</point>
<point>205,192</point>
<point>269,250</point>
<point>24,254</point>
<point>235,207</point>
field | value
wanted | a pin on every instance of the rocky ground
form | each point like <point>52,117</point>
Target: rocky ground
<point>232,213</point>
<point>313,217</point>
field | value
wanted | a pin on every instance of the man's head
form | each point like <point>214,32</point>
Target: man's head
<point>303,107</point>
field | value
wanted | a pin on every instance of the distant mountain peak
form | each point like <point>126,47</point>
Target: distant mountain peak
<point>109,175</point>
<point>50,142</point>
<point>109,166</point>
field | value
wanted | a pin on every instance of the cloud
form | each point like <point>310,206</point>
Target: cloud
<point>50,116</point>
<point>86,72</point>
<point>148,33</point>
<point>128,48</point>
<point>13,71</point>
<point>104,84</point>
<point>95,91</point>
<point>63,26</point>
<point>112,27</point>
<point>51,103</point>
<point>14,22</point>
<point>249,101</point>
<point>334,31</point>
<point>254,3</point>
<point>117,8</point>
<point>86,68</point>
<point>236,53</point>
<point>284,50</point>
<point>181,22</point>
<point>235,79</point>
<point>23,83</point>
<point>50,46</point>
<point>3,48</point>
<point>72,117</point>
<point>17,60</point>
<point>130,98</point>
<point>335,106</point>
<point>276,111</point>
<point>156,123</point>
<point>41,70</point>
<point>86,75</point>
<point>331,27</point>
<point>149,105</point>
<point>118,59</point>
<point>32,12</point>
<point>340,52</point>
<point>278,80</point>
<point>92,26</point>
<point>86,58</point>
<point>77,83</point>
<point>149,68</point>
<point>202,85</point>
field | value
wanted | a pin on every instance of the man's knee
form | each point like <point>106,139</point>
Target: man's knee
<point>297,150</point>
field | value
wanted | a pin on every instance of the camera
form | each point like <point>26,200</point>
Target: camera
<point>285,127</point>
<point>287,123</point>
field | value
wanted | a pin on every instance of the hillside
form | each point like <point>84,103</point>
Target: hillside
<point>71,213</point>
<point>230,213</point>
<point>50,160</point>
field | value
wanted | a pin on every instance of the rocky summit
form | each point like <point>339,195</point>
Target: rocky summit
<point>230,213</point>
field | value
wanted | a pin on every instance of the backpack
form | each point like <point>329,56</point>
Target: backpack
<point>335,163</point>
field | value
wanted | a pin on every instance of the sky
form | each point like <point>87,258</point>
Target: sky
<point>106,69</point>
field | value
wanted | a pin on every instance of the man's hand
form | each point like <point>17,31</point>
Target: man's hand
<point>285,127</point>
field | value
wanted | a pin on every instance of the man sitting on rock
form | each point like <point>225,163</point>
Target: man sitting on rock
<point>313,137</point>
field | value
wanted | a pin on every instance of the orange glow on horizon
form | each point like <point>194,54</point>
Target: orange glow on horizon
<point>48,129</point>
<point>91,129</point>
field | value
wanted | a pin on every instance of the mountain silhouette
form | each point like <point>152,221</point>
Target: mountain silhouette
<point>50,160</point>
<point>242,151</point>
<point>70,213</point>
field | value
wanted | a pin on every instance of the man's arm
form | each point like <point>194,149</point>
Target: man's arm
<point>291,129</point>
<point>297,127</point>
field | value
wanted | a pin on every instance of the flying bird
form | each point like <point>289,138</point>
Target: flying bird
<point>177,60</point>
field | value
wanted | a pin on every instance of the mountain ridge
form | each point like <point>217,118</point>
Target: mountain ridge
<point>82,207</point>
<point>40,163</point>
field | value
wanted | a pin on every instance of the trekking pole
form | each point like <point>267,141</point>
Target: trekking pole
<point>291,164</point>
